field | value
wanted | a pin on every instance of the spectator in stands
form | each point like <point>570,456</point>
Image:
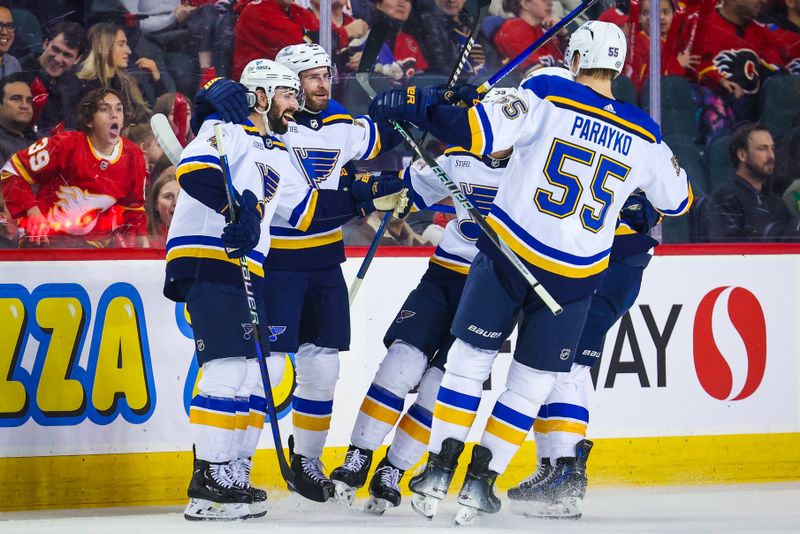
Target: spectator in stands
<point>346,58</point>
<point>187,29</point>
<point>734,52</point>
<point>8,63</point>
<point>142,136</point>
<point>16,113</point>
<point>105,66</point>
<point>534,17</point>
<point>442,31</point>
<point>160,205</point>
<point>401,57</point>
<point>55,88</point>
<point>178,110</point>
<point>788,37</point>
<point>89,183</point>
<point>742,208</point>
<point>266,26</point>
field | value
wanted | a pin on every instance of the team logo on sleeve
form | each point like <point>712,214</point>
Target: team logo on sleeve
<point>741,67</point>
<point>317,163</point>
<point>403,315</point>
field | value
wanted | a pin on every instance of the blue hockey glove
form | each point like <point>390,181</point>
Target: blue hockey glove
<point>639,214</point>
<point>410,104</point>
<point>466,95</point>
<point>378,192</point>
<point>242,237</point>
<point>224,97</point>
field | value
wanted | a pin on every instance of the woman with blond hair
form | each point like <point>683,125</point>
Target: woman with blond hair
<point>105,66</point>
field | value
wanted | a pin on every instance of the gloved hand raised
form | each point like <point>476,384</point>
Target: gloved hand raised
<point>241,237</point>
<point>383,192</point>
<point>224,97</point>
<point>410,104</point>
<point>639,214</point>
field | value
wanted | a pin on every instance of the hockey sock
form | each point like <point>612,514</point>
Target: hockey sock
<point>459,396</point>
<point>414,431</point>
<point>507,427</point>
<point>566,426</point>
<point>398,373</point>
<point>257,403</point>
<point>541,435</point>
<point>240,427</point>
<point>312,404</point>
<point>212,413</point>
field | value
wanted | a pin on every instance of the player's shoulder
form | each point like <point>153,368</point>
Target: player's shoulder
<point>335,113</point>
<point>68,140</point>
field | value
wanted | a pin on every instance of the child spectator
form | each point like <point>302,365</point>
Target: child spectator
<point>105,66</point>
<point>142,136</point>
<point>160,205</point>
<point>88,182</point>
<point>534,17</point>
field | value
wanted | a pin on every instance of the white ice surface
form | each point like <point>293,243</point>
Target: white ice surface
<point>729,509</point>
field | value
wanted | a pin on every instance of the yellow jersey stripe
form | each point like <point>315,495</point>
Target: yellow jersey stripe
<point>415,430</point>
<point>306,242</point>
<point>540,261</point>
<point>505,432</point>
<point>315,424</point>
<point>453,266</point>
<point>212,254</point>
<point>453,416</point>
<point>242,421</point>
<point>379,412</point>
<point>21,169</point>
<point>337,117</point>
<point>305,222</point>
<point>476,130</point>
<point>599,111</point>
<point>194,166</point>
<point>256,420</point>
<point>217,420</point>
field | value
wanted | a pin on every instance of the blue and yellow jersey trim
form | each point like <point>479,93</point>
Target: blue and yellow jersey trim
<point>683,207</point>
<point>303,213</point>
<point>450,261</point>
<point>291,239</point>
<point>599,113</point>
<point>207,248</point>
<point>337,118</point>
<point>273,142</point>
<point>374,142</point>
<point>198,163</point>
<point>480,129</point>
<point>543,256</point>
<point>250,129</point>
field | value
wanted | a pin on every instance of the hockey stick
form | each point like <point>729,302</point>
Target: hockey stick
<point>286,471</point>
<point>534,46</point>
<point>166,138</point>
<point>365,67</point>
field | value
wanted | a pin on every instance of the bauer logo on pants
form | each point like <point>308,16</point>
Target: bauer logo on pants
<point>730,343</point>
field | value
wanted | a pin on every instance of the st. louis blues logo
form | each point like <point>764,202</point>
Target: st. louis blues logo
<point>248,330</point>
<point>275,331</point>
<point>403,315</point>
<point>271,180</point>
<point>317,163</point>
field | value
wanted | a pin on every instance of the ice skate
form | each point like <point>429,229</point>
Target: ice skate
<point>528,487</point>
<point>352,474</point>
<point>560,494</point>
<point>477,493</point>
<point>430,485</point>
<point>310,480</point>
<point>384,488</point>
<point>240,473</point>
<point>213,495</point>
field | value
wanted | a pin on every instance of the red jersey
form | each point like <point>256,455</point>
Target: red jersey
<point>515,35</point>
<point>79,191</point>
<point>641,62</point>
<point>789,44</point>
<point>408,54</point>
<point>729,51</point>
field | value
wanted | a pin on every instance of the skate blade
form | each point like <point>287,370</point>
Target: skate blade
<point>563,509</point>
<point>344,494</point>
<point>377,506</point>
<point>424,505</point>
<point>203,510</point>
<point>466,515</point>
<point>258,509</point>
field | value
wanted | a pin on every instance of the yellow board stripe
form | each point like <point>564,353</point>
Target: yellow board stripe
<point>218,420</point>
<point>21,169</point>
<point>476,132</point>
<point>453,266</point>
<point>212,254</point>
<point>306,422</point>
<point>305,222</point>
<point>556,425</point>
<point>505,432</point>
<point>599,111</point>
<point>453,415</point>
<point>306,242</point>
<point>539,261</point>
<point>415,430</point>
<point>377,411</point>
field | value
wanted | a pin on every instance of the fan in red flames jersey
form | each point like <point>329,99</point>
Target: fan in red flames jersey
<point>89,184</point>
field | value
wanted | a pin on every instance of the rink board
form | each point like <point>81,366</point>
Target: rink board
<point>698,383</point>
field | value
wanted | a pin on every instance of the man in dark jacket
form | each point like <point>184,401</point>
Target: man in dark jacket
<point>742,208</point>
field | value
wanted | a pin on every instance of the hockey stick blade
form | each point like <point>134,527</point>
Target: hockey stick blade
<point>165,137</point>
<point>286,470</point>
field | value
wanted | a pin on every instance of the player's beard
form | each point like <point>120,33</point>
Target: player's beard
<point>275,121</point>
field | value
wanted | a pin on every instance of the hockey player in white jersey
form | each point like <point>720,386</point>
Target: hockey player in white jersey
<point>578,154</point>
<point>419,337</point>
<point>200,272</point>
<point>305,291</point>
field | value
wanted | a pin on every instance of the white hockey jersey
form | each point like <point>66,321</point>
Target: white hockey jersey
<point>478,178</point>
<point>262,165</point>
<point>577,157</point>
<point>321,144</point>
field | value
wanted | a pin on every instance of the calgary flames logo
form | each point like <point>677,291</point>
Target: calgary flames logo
<point>76,210</point>
<point>740,66</point>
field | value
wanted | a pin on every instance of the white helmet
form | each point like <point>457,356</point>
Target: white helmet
<point>304,56</point>
<point>601,45</point>
<point>561,72</point>
<point>268,75</point>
